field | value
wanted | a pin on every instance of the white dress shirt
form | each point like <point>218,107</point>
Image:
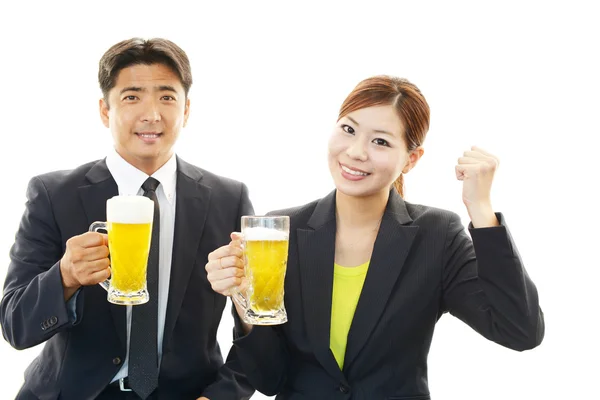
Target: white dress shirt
<point>129,180</point>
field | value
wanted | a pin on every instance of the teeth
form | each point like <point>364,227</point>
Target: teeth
<point>352,172</point>
<point>149,135</point>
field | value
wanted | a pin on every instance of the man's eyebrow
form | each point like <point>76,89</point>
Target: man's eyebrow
<point>131,89</point>
<point>161,88</point>
<point>167,88</point>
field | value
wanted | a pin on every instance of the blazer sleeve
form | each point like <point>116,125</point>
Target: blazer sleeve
<point>231,382</point>
<point>264,357</point>
<point>260,355</point>
<point>486,286</point>
<point>33,308</point>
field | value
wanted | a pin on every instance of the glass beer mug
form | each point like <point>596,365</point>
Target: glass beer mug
<point>265,245</point>
<point>129,225</point>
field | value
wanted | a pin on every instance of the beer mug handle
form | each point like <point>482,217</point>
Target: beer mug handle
<point>236,294</point>
<point>239,298</point>
<point>95,227</point>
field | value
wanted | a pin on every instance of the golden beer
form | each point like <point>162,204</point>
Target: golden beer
<point>129,245</point>
<point>266,262</point>
<point>129,226</point>
<point>266,242</point>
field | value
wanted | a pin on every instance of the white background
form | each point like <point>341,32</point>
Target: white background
<point>520,80</point>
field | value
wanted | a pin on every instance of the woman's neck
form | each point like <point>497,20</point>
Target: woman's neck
<point>360,212</point>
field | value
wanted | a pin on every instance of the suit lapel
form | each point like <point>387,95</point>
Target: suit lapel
<point>392,246</point>
<point>93,198</point>
<point>316,250</point>
<point>190,215</point>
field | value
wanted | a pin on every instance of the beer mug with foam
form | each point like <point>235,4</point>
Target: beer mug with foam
<point>129,226</point>
<point>265,244</point>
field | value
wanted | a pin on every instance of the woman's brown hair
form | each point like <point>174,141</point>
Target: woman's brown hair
<point>406,98</point>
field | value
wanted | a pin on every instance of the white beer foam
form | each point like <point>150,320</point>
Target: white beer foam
<point>130,209</point>
<point>260,233</point>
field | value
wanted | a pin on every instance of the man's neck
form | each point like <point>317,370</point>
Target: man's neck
<point>147,165</point>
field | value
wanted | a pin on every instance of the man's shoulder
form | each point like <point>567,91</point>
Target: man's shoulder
<point>208,178</point>
<point>66,178</point>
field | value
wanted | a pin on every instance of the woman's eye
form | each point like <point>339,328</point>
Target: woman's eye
<point>348,129</point>
<point>381,142</point>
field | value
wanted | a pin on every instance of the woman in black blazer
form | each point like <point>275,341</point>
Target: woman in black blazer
<point>369,274</point>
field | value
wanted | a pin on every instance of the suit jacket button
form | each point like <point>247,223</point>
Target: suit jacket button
<point>43,325</point>
<point>53,320</point>
<point>117,360</point>
<point>344,388</point>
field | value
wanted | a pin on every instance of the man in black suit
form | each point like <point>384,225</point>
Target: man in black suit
<point>51,293</point>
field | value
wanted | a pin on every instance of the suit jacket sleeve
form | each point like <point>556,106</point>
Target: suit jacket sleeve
<point>263,355</point>
<point>264,358</point>
<point>487,287</point>
<point>231,382</point>
<point>33,308</point>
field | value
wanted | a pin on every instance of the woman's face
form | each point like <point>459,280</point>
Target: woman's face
<point>367,151</point>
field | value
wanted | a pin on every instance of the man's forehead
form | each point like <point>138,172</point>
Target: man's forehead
<point>154,76</point>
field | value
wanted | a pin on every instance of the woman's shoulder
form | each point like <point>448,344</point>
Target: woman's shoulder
<point>423,214</point>
<point>302,212</point>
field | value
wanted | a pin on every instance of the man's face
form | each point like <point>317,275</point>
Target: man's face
<point>145,112</point>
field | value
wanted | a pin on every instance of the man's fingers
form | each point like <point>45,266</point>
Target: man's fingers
<point>91,239</point>
<point>83,255</point>
<point>88,239</point>
<point>94,253</point>
<point>97,277</point>
<point>94,266</point>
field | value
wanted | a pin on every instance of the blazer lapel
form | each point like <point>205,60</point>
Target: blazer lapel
<point>93,198</point>
<point>316,250</point>
<point>392,246</point>
<point>190,215</point>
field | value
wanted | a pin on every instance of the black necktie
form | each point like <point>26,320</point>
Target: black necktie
<point>143,355</point>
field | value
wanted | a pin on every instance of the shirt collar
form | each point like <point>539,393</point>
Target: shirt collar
<point>129,179</point>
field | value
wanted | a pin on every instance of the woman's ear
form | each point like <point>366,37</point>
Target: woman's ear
<point>413,158</point>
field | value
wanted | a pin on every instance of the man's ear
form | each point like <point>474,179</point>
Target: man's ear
<point>103,107</point>
<point>186,113</point>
